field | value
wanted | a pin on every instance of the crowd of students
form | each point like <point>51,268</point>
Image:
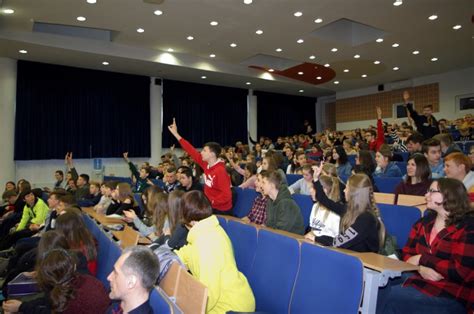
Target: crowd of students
<point>51,242</point>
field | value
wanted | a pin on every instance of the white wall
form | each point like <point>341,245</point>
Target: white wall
<point>451,84</point>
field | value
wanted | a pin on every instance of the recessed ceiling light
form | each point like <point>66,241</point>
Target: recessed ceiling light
<point>376,62</point>
<point>278,50</point>
<point>214,23</point>
<point>81,18</point>
<point>158,12</point>
<point>318,20</point>
<point>432,17</point>
<point>105,63</point>
<point>190,38</point>
<point>456,27</point>
<point>356,56</point>
<point>300,73</point>
<point>22,51</point>
<point>248,83</point>
<point>233,45</point>
<point>434,59</point>
<point>396,68</point>
<point>346,70</point>
<point>364,75</point>
<point>318,77</point>
<point>301,90</point>
<point>204,77</point>
<point>298,14</point>
<point>300,41</point>
<point>334,49</point>
<point>8,11</point>
<point>395,45</point>
<point>91,1</point>
<point>170,50</point>
<point>248,1</point>
<point>140,30</point>
<point>212,55</point>
<point>312,57</point>
<point>415,52</point>
<point>379,40</point>
<point>271,70</point>
<point>259,32</point>
<point>336,82</point>
<point>398,3</point>
<point>327,65</point>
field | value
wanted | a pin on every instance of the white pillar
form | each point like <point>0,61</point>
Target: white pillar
<point>7,118</point>
<point>155,121</point>
<point>252,115</point>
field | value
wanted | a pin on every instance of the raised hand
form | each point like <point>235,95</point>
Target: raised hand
<point>317,171</point>
<point>406,96</point>
<point>173,127</point>
<point>125,156</point>
<point>379,113</point>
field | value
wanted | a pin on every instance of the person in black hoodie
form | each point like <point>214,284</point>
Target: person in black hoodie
<point>360,229</point>
<point>426,124</point>
<point>188,183</point>
<point>122,199</point>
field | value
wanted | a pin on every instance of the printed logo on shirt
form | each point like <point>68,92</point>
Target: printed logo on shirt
<point>317,224</point>
<point>347,236</point>
<point>209,180</point>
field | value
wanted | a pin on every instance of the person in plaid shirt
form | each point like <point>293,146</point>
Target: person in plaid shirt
<point>442,245</point>
<point>258,212</point>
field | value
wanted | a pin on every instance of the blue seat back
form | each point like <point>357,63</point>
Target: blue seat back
<point>159,301</point>
<point>403,166</point>
<point>292,178</point>
<point>398,220</point>
<point>321,276</point>
<point>243,204</point>
<point>387,185</point>
<point>305,203</point>
<point>274,271</point>
<point>222,222</point>
<point>119,179</point>
<point>159,183</point>
<point>404,155</point>
<point>138,199</point>
<point>352,160</point>
<point>244,242</point>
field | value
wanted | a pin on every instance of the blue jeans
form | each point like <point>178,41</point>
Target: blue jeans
<point>398,299</point>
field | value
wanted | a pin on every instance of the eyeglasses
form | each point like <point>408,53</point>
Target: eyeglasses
<point>431,191</point>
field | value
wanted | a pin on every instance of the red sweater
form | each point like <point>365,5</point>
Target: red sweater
<point>217,181</point>
<point>375,145</point>
<point>90,296</point>
<point>451,254</point>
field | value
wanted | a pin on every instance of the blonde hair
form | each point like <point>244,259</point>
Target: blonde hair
<point>330,169</point>
<point>331,184</point>
<point>361,199</point>
<point>158,204</point>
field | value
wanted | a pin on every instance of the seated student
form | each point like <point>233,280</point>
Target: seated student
<point>60,182</point>
<point>414,143</point>
<point>298,161</point>
<point>458,166</point>
<point>187,181</point>
<point>132,279</point>
<point>10,186</point>
<point>426,123</point>
<point>361,229</point>
<point>385,167</point>
<point>10,197</point>
<point>34,215</point>
<point>93,197</point>
<point>418,178</point>
<point>210,258</point>
<point>122,199</point>
<point>171,180</point>
<point>71,224</point>
<point>81,181</point>
<point>258,211</point>
<point>324,223</point>
<point>447,144</point>
<point>71,186</point>
<point>157,209</point>
<point>439,244</point>
<point>330,170</point>
<point>269,164</point>
<point>376,139</point>
<point>217,186</point>
<point>106,189</point>
<point>316,153</point>
<point>344,167</point>
<point>288,158</point>
<point>349,148</point>
<point>249,173</point>
<point>282,211</point>
<point>142,181</point>
<point>303,185</point>
<point>432,152</point>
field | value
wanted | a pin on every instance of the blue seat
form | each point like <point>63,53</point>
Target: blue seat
<point>243,204</point>
<point>321,276</point>
<point>222,222</point>
<point>352,160</point>
<point>159,183</point>
<point>305,203</point>
<point>292,178</point>
<point>244,242</point>
<point>387,185</point>
<point>138,199</point>
<point>92,226</point>
<point>398,220</point>
<point>118,179</point>
<point>274,271</point>
<point>160,302</point>
<point>404,155</point>
<point>403,167</point>
<point>344,179</point>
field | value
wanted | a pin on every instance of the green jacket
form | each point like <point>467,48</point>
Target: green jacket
<point>36,215</point>
<point>283,213</point>
<point>141,184</point>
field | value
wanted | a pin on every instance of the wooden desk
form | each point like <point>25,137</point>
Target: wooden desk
<point>102,219</point>
<point>119,235</point>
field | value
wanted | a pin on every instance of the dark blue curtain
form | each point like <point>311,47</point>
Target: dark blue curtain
<point>91,113</point>
<point>283,115</point>
<point>204,113</point>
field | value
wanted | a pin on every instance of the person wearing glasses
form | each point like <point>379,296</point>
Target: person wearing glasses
<point>441,244</point>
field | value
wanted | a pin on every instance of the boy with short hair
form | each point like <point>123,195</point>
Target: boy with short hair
<point>142,181</point>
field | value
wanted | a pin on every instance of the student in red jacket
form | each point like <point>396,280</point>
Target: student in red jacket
<point>217,181</point>
<point>376,139</point>
<point>441,244</point>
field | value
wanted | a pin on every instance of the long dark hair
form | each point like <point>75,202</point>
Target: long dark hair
<point>51,239</point>
<point>423,170</point>
<point>342,155</point>
<point>456,200</point>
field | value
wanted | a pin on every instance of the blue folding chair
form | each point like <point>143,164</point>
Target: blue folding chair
<point>399,220</point>
<point>305,203</point>
<point>244,242</point>
<point>243,204</point>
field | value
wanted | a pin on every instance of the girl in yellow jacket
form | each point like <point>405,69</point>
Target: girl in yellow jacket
<point>210,258</point>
